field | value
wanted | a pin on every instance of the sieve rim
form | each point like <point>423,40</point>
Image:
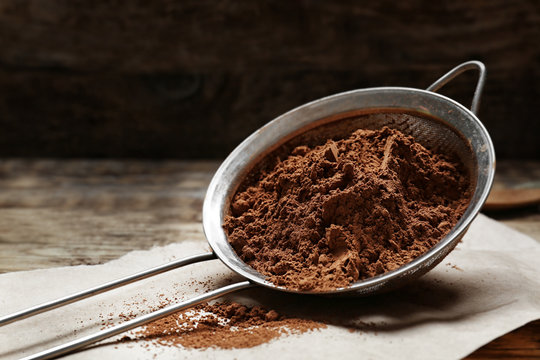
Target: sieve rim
<point>220,190</point>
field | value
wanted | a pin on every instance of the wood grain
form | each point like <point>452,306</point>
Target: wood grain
<point>61,213</point>
<point>163,36</point>
<point>74,212</point>
<point>191,79</point>
<point>522,343</point>
<point>88,212</point>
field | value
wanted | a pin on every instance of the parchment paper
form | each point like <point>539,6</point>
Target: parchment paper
<point>487,286</point>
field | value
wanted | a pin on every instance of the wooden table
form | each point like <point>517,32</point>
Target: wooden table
<point>61,213</point>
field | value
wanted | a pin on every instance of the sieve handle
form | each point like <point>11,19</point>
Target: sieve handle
<point>144,319</point>
<point>449,76</point>
<point>53,304</point>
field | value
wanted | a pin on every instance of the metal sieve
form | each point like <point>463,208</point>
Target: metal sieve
<point>434,120</point>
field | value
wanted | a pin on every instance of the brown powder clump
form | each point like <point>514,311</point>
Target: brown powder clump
<point>223,325</point>
<point>349,209</point>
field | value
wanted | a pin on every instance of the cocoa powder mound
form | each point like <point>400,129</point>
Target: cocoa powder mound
<point>222,325</point>
<point>328,215</point>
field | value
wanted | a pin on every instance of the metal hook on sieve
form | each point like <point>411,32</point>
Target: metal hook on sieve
<point>458,70</point>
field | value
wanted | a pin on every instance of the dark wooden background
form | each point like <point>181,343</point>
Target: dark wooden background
<point>192,78</point>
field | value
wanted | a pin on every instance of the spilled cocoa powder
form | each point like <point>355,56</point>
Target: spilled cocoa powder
<point>320,217</point>
<point>222,325</point>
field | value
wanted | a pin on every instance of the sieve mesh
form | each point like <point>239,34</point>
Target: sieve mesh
<point>433,133</point>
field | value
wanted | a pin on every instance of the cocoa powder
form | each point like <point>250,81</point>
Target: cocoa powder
<point>222,325</point>
<point>320,217</point>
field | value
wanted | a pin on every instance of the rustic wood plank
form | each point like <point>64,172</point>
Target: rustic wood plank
<point>152,79</point>
<point>56,213</point>
<point>522,343</point>
<point>88,212</point>
<point>62,213</point>
<point>168,35</point>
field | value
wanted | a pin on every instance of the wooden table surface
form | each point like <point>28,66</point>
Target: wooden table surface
<point>60,213</point>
